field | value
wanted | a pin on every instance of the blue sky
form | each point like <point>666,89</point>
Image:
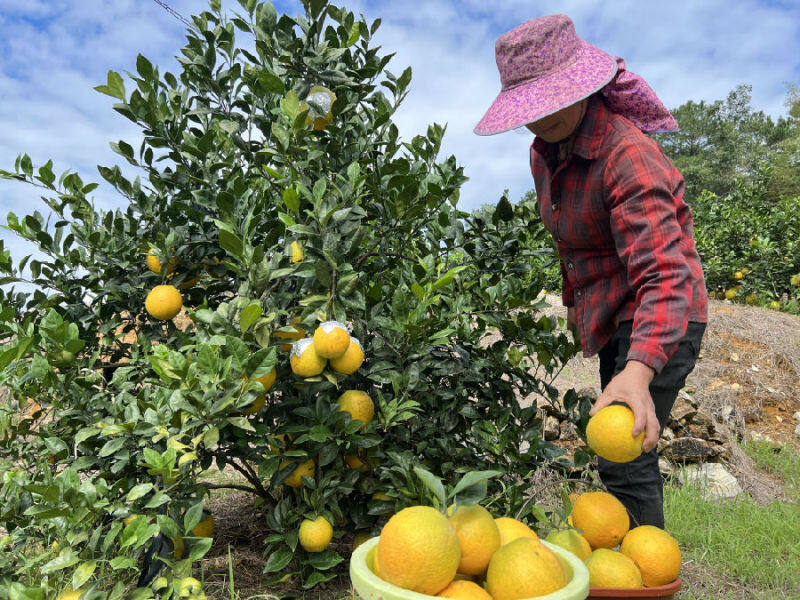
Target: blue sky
<point>53,52</point>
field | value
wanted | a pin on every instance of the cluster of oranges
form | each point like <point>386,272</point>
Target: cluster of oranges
<point>617,556</point>
<point>331,343</point>
<point>468,554</point>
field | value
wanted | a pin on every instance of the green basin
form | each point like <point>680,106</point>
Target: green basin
<point>370,587</point>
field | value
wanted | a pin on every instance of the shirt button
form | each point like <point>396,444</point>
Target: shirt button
<point>578,292</point>
<point>570,265</point>
<point>555,205</point>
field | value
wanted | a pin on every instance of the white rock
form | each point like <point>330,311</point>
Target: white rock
<point>665,467</point>
<point>796,416</point>
<point>713,479</point>
<point>797,430</point>
<point>755,436</point>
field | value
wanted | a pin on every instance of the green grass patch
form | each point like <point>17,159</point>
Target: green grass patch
<point>781,461</point>
<point>757,545</point>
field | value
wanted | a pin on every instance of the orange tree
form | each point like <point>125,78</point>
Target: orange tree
<point>273,193</point>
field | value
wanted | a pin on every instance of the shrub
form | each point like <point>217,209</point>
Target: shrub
<point>759,239</point>
<point>132,413</point>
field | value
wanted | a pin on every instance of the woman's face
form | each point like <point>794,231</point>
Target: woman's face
<point>560,125</point>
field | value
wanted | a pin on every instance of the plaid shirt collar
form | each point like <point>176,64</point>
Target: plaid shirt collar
<point>590,136</point>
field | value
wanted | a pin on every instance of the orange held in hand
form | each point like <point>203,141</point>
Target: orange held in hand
<point>610,434</point>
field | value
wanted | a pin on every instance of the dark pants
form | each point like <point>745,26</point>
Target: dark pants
<point>637,484</point>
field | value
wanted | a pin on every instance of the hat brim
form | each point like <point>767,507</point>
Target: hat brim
<point>532,101</point>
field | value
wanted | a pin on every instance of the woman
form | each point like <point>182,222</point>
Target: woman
<point>613,202</point>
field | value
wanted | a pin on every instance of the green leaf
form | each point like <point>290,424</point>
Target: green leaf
<point>200,548</point>
<point>278,560</point>
<point>60,562</point>
<point>144,67</point>
<point>322,561</point>
<point>138,491</point>
<point>17,591</point>
<point>231,242</point>
<point>114,87</point>
<point>111,446</point>
<point>448,277</point>
<point>271,82</point>
<point>211,438</point>
<point>194,514</point>
<point>122,562</point>
<point>433,483</point>
<point>292,200</point>
<point>355,33</point>
<point>249,316</point>
<point>83,573</point>
<point>473,477</point>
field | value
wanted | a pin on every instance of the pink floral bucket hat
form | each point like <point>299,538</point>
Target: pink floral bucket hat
<point>544,67</point>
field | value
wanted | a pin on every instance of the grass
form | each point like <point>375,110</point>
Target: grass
<point>781,461</point>
<point>756,546</point>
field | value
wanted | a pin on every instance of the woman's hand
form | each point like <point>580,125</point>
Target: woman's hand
<point>632,386</point>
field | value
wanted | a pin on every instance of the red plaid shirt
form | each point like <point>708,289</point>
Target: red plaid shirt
<point>615,209</point>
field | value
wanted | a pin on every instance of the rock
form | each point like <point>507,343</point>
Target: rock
<point>726,414</point>
<point>755,436</point>
<point>796,416</point>
<point>689,449</point>
<point>752,414</point>
<point>713,478</point>
<point>668,435</point>
<point>683,410</point>
<point>569,433</point>
<point>665,467</point>
<point>551,429</point>
<point>797,430</point>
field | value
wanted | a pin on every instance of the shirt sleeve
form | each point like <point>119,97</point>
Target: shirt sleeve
<point>567,295</point>
<point>641,189</point>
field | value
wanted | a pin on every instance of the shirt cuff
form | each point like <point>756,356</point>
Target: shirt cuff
<point>651,355</point>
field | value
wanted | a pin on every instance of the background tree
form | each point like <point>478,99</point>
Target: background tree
<point>722,142</point>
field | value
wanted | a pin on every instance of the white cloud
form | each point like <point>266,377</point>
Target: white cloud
<point>53,52</point>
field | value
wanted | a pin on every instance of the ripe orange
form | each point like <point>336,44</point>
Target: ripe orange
<point>418,550</point>
<point>464,590</point>
<point>611,569</point>
<point>610,434</point>
<point>478,537</point>
<point>305,361</point>
<point>571,540</point>
<point>601,518</point>
<point>163,302</point>
<point>316,535</point>
<point>655,552</point>
<point>511,529</point>
<point>359,405</point>
<point>331,339</point>
<point>205,527</point>
<point>298,333</point>
<point>351,360</point>
<point>304,469</point>
<point>154,264</point>
<point>524,568</point>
